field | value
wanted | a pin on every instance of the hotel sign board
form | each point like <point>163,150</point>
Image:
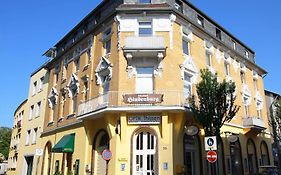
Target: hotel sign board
<point>143,98</point>
<point>144,120</point>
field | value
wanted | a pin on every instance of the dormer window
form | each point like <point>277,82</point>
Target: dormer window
<point>145,28</point>
<point>178,5</point>
<point>200,20</point>
<point>218,33</point>
<point>246,54</point>
<point>144,1</point>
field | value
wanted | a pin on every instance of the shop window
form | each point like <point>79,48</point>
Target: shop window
<point>191,154</point>
<point>236,158</point>
<point>252,157</point>
<point>57,166</point>
<point>264,154</point>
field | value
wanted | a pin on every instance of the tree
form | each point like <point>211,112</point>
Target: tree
<point>275,123</point>
<point>214,104</point>
<point>5,138</point>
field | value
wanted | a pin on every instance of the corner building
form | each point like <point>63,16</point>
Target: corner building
<point>121,79</point>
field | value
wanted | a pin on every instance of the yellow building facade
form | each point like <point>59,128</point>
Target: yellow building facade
<point>117,100</point>
<point>16,138</point>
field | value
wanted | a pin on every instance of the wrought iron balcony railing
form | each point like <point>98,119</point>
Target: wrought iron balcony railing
<point>118,99</point>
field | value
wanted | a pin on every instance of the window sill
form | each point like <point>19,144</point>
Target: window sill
<point>50,123</point>
<point>60,119</point>
<point>71,116</point>
<point>86,67</point>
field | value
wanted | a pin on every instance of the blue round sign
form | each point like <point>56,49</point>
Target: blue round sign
<point>210,141</point>
<point>106,154</point>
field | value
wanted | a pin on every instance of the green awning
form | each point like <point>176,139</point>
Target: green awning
<point>65,145</point>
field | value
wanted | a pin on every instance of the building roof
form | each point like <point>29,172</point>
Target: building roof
<point>22,103</point>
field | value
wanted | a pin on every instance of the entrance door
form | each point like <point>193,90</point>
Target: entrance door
<point>191,155</point>
<point>144,154</point>
<point>29,163</point>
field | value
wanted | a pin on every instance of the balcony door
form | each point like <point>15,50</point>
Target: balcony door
<point>144,80</point>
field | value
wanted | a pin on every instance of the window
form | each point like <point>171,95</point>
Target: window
<point>38,111</point>
<point>145,28</point>
<point>255,84</point>
<point>77,64</point>
<point>246,106</point>
<point>144,1</point>
<point>64,71</point>
<point>246,54</point>
<point>31,111</point>
<point>86,90</point>
<point>74,98</point>
<point>259,107</point>
<point>144,80</point>
<point>56,74</point>
<point>200,20</point>
<point>41,81</point>
<point>218,33</point>
<point>242,76</point>
<point>27,137</point>
<point>178,5</point>
<point>34,88</point>
<point>185,46</point>
<point>187,85</point>
<point>208,59</point>
<point>34,136</point>
<point>106,37</point>
<point>234,44</point>
<point>226,68</point>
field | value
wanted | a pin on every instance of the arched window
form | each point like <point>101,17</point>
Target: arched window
<point>264,154</point>
<point>252,156</point>
<point>46,168</point>
<point>101,142</point>
<point>144,153</point>
<point>236,158</point>
<point>192,154</point>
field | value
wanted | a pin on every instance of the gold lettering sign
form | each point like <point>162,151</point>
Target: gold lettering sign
<point>143,98</point>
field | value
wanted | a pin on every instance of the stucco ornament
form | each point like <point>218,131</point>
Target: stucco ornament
<point>73,85</point>
<point>103,71</point>
<point>53,97</point>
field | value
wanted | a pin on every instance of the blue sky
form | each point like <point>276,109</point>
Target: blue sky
<point>29,28</point>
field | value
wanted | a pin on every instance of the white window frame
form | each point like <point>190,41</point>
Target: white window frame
<point>144,76</point>
<point>226,68</point>
<point>145,27</point>
<point>34,135</point>
<point>246,104</point>
<point>187,83</point>
<point>208,56</point>
<point>27,140</point>
<point>41,81</point>
<point>31,112</point>
<point>34,88</point>
<point>38,106</point>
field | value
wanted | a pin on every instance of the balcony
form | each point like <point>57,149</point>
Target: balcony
<point>115,101</point>
<point>144,46</point>
<point>254,125</point>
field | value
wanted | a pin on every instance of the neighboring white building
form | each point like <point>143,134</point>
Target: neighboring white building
<point>3,167</point>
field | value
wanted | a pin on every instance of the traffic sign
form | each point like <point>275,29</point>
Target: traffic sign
<point>106,154</point>
<point>210,143</point>
<point>212,156</point>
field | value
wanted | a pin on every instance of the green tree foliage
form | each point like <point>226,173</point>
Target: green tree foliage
<point>5,138</point>
<point>214,104</point>
<point>276,121</point>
